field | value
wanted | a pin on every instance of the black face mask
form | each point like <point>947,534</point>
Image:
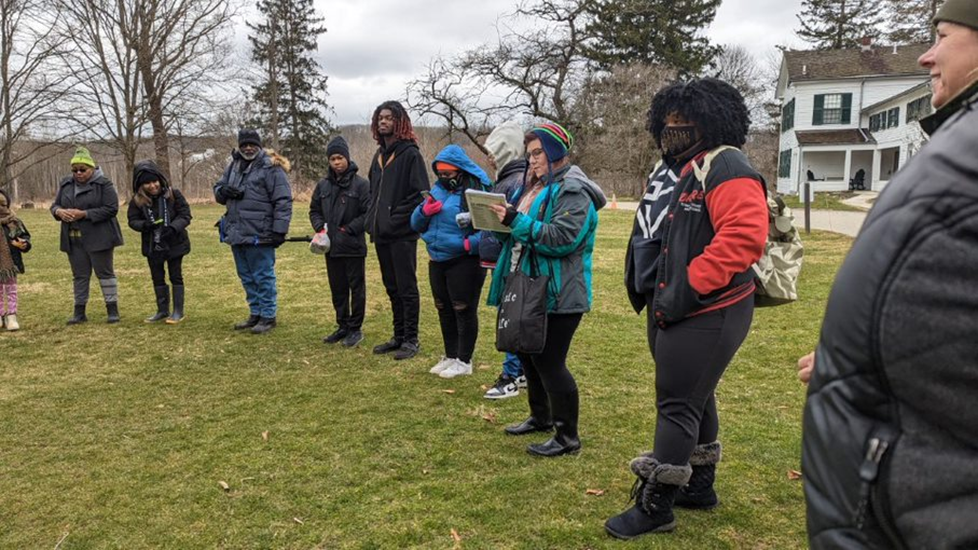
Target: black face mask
<point>677,140</point>
<point>450,183</point>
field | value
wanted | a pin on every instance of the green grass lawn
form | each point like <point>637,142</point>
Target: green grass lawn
<point>118,436</point>
<point>823,201</point>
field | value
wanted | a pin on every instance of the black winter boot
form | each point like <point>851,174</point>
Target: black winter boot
<point>655,492</point>
<point>162,304</point>
<point>565,441</point>
<point>178,298</point>
<point>264,325</point>
<point>79,316</point>
<point>250,322</point>
<point>539,419</point>
<point>112,309</point>
<point>698,494</point>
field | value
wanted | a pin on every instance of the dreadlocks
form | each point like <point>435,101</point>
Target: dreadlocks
<point>403,130</point>
<point>717,109</point>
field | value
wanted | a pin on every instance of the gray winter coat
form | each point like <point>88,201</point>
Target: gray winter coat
<point>98,198</point>
<point>261,215</point>
<point>890,444</point>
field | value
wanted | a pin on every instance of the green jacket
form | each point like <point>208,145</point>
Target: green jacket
<point>563,239</point>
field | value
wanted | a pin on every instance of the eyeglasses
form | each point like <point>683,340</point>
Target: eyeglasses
<point>535,153</point>
<point>79,170</point>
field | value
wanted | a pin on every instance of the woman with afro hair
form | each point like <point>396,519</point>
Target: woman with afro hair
<point>700,226</point>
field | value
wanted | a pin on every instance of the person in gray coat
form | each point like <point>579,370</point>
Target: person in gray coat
<point>87,205</point>
<point>256,191</point>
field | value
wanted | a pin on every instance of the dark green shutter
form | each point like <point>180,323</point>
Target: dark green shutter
<point>846,108</point>
<point>817,112</point>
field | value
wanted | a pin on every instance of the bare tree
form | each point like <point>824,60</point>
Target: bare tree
<point>180,47</point>
<point>736,66</point>
<point>102,70</point>
<point>30,92</point>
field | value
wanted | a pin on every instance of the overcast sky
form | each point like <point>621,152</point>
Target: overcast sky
<point>372,48</point>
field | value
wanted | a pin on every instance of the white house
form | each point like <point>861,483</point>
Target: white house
<point>850,114</point>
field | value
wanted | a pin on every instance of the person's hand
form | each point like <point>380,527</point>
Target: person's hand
<point>505,212</point>
<point>499,210</point>
<point>806,366</point>
<point>231,193</point>
<point>167,233</point>
<point>431,206</point>
<point>19,243</point>
<point>463,219</point>
<point>277,239</point>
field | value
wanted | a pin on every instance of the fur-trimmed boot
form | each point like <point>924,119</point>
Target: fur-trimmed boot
<point>162,304</point>
<point>698,494</point>
<point>654,493</point>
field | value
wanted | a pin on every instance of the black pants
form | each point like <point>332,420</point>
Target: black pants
<point>157,271</point>
<point>690,357</point>
<point>456,285</point>
<point>349,291</point>
<point>398,269</point>
<point>546,373</point>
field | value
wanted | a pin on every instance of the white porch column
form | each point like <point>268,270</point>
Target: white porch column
<point>802,173</point>
<point>847,174</point>
<point>877,170</point>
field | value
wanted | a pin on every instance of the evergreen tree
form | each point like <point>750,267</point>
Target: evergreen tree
<point>290,95</point>
<point>913,20</point>
<point>653,32</point>
<point>839,23</point>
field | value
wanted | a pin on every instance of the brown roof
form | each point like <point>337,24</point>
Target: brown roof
<point>854,62</point>
<point>835,137</point>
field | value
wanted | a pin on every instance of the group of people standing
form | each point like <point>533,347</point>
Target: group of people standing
<point>701,224</point>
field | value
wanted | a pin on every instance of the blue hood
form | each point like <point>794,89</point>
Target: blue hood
<point>455,155</point>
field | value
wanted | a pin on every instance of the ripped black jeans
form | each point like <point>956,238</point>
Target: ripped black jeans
<point>456,285</point>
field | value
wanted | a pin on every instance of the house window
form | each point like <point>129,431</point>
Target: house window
<point>876,122</point>
<point>919,108</point>
<point>893,117</point>
<point>784,164</point>
<point>788,116</point>
<point>832,109</point>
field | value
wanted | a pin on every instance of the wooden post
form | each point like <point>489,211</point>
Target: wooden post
<point>808,207</point>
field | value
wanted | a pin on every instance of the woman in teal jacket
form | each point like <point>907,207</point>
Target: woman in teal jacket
<point>455,273</point>
<point>557,215</point>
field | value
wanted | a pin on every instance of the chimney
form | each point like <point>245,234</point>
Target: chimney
<point>894,49</point>
<point>867,43</point>
<point>804,70</point>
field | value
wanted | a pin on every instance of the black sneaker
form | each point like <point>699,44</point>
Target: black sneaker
<point>264,325</point>
<point>353,338</point>
<point>391,345</point>
<point>337,335</point>
<point>407,351</point>
<point>505,387</point>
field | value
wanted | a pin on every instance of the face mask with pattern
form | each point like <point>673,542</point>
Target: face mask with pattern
<point>449,183</point>
<point>677,140</point>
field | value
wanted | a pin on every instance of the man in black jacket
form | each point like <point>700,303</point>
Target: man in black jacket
<point>889,440</point>
<point>339,205</point>
<point>398,175</point>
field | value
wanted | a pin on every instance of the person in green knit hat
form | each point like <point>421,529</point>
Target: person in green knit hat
<point>86,205</point>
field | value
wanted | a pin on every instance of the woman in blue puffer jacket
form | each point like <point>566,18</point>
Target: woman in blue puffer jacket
<point>453,245</point>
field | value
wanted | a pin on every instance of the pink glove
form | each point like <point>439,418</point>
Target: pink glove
<point>431,207</point>
<point>467,245</point>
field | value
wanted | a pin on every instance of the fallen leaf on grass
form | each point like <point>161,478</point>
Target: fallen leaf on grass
<point>594,492</point>
<point>485,367</point>
<point>264,435</point>
<point>448,391</point>
<point>490,417</point>
<point>224,485</point>
<point>794,475</point>
<point>299,521</point>
<point>456,537</point>
<point>485,387</point>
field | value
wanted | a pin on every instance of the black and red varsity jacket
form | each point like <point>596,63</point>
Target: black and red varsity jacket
<point>714,232</point>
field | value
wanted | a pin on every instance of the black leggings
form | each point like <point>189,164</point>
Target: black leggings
<point>157,272</point>
<point>546,373</point>
<point>690,357</point>
<point>456,285</point>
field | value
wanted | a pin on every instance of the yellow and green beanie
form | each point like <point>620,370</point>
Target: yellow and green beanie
<point>82,156</point>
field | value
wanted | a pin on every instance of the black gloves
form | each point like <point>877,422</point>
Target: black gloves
<point>277,239</point>
<point>231,193</point>
<point>511,213</point>
<point>168,233</point>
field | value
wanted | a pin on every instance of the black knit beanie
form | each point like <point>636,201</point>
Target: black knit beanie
<point>338,146</point>
<point>246,136</point>
<point>145,177</point>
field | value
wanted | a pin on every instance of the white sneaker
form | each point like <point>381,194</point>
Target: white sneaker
<point>457,368</point>
<point>521,382</point>
<point>442,365</point>
<point>12,324</point>
<point>504,388</point>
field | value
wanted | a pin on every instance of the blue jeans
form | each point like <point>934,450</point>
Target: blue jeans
<point>511,366</point>
<point>256,269</point>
